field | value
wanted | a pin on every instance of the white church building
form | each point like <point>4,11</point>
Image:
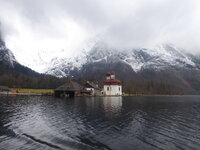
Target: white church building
<point>112,86</point>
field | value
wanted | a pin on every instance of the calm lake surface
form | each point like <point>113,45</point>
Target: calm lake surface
<point>117,123</point>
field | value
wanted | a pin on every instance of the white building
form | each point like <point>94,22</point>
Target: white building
<point>92,89</point>
<point>112,86</point>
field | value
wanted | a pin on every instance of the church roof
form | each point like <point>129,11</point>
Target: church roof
<point>112,82</point>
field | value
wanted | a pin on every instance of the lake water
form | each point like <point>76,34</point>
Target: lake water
<point>84,123</point>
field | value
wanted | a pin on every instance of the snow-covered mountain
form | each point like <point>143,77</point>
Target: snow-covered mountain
<point>158,58</point>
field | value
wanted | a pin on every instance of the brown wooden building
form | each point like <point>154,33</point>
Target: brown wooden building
<point>69,89</point>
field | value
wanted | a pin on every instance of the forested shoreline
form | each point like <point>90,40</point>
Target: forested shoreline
<point>144,87</point>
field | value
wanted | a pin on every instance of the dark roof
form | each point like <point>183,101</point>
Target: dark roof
<point>70,86</point>
<point>91,85</point>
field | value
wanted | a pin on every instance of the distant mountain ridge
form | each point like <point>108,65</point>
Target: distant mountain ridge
<point>159,58</point>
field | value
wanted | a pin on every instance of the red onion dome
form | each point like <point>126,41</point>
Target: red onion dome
<point>112,73</point>
<point>108,74</point>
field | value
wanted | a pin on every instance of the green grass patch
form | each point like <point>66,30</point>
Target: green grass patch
<point>42,91</point>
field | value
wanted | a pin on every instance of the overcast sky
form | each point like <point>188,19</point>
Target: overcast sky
<point>31,28</point>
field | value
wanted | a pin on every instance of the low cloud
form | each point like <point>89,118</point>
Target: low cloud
<point>32,27</point>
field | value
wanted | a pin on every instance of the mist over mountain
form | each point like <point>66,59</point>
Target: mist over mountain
<point>8,63</point>
<point>38,31</point>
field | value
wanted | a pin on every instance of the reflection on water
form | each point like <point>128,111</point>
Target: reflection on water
<point>100,123</point>
<point>112,106</point>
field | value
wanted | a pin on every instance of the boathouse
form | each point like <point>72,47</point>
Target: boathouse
<point>112,86</point>
<point>69,89</point>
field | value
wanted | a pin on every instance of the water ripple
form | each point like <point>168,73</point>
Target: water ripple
<point>100,123</point>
